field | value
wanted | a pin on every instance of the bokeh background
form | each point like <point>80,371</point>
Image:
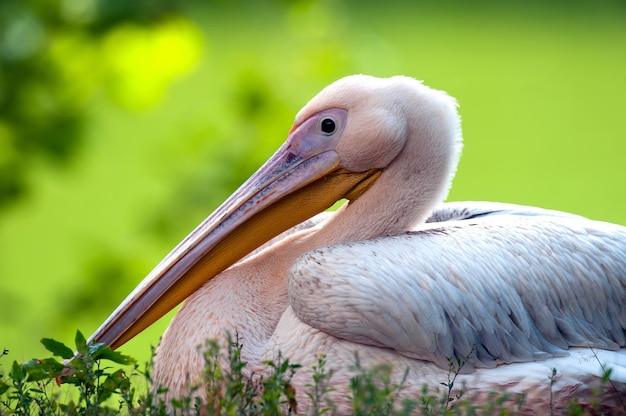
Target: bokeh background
<point>123,124</point>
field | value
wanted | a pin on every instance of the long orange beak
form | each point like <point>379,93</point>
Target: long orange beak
<point>303,178</point>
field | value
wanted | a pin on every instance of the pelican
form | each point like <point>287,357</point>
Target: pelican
<point>395,274</point>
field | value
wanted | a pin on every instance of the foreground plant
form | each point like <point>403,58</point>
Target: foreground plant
<point>34,386</point>
<point>228,391</point>
<point>90,383</point>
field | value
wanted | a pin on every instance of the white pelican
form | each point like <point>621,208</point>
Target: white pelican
<point>392,274</point>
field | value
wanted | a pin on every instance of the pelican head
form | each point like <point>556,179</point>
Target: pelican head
<point>358,133</point>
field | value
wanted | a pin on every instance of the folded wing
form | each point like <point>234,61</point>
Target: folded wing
<point>494,283</point>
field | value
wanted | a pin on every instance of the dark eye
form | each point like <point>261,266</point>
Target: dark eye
<point>328,126</point>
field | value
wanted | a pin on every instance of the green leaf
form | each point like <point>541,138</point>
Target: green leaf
<point>57,348</point>
<point>69,409</point>
<point>111,384</point>
<point>606,375</point>
<point>96,349</point>
<point>42,369</point>
<point>81,343</point>
<point>3,387</point>
<point>17,372</point>
<point>106,353</point>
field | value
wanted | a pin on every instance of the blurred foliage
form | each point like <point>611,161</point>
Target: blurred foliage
<point>124,123</point>
<point>55,55</point>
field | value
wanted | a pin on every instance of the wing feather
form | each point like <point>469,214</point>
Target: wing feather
<point>503,284</point>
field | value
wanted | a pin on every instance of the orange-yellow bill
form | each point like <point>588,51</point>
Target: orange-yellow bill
<point>304,177</point>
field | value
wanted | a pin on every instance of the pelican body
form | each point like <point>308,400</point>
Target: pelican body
<point>394,275</point>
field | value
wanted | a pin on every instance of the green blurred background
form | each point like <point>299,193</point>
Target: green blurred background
<point>123,124</point>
